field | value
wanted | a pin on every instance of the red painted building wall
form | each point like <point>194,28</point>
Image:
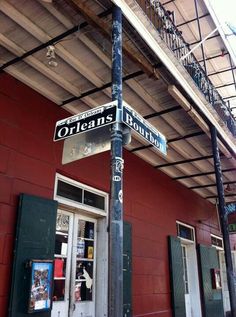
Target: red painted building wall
<point>153,202</point>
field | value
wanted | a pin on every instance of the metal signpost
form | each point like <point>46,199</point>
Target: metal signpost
<point>115,289</point>
<point>113,118</point>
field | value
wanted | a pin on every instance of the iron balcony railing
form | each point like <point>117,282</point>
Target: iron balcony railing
<point>162,21</point>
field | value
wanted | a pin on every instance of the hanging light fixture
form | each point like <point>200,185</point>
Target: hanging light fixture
<point>51,56</point>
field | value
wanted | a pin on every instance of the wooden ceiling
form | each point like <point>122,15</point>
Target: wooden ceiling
<point>82,80</point>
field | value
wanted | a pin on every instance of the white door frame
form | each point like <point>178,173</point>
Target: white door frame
<point>101,291</point>
<point>194,291</point>
<point>61,308</point>
<point>192,301</point>
<point>91,305</point>
<point>223,273</point>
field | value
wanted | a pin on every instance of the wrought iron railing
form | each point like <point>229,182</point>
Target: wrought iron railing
<point>162,21</point>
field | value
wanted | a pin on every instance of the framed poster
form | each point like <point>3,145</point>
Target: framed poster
<point>41,278</point>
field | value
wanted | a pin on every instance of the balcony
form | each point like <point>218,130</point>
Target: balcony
<point>173,38</point>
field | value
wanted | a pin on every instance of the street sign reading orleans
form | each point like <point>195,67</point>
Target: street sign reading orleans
<point>86,121</point>
<point>105,115</point>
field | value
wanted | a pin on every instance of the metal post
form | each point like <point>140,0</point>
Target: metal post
<point>231,66</point>
<point>116,194</point>
<point>223,221</point>
<point>200,35</point>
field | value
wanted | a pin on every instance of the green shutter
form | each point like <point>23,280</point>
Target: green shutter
<point>127,271</point>
<point>212,298</point>
<point>176,276</point>
<point>35,239</point>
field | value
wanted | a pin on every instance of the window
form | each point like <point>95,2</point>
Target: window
<point>69,191</point>
<point>79,193</point>
<point>217,242</point>
<point>185,231</point>
<point>185,267</point>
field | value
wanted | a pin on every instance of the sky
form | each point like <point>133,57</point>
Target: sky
<point>224,16</point>
<point>225,11</point>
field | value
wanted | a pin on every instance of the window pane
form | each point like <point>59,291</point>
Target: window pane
<point>62,223</point>
<point>217,242</point>
<point>59,290</point>
<point>84,281</point>
<point>185,232</point>
<point>94,200</point>
<point>69,191</point>
<point>59,267</point>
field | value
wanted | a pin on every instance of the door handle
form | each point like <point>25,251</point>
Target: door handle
<point>73,307</point>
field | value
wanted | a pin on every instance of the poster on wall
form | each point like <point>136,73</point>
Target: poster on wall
<point>40,285</point>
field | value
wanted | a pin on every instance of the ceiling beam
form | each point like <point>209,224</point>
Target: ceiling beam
<point>193,20</point>
<point>214,56</point>
<point>196,42</point>
<point>209,38</point>
<point>191,135</point>
<point>167,2</point>
<point>203,174</point>
<point>211,185</point>
<point>222,71</point>
<point>229,97</point>
<point>97,89</point>
<point>201,158</point>
<point>225,85</point>
<point>215,196</point>
<point>105,29</point>
<point>162,112</point>
<point>187,136</point>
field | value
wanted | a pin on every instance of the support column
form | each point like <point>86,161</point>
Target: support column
<point>116,193</point>
<point>223,221</point>
<point>200,35</point>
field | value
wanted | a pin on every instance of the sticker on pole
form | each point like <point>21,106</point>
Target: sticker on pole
<point>86,121</point>
<point>144,129</point>
<point>230,208</point>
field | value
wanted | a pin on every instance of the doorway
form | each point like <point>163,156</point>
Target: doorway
<point>81,250</point>
<point>75,265</point>
<point>186,233</point>
<point>191,282</point>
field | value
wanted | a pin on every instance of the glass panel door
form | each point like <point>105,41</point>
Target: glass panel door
<point>83,268</point>
<point>62,263</point>
<point>186,281</point>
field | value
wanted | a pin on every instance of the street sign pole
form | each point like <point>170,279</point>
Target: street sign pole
<point>116,186</point>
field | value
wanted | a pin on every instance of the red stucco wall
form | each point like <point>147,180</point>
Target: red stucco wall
<point>152,201</point>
